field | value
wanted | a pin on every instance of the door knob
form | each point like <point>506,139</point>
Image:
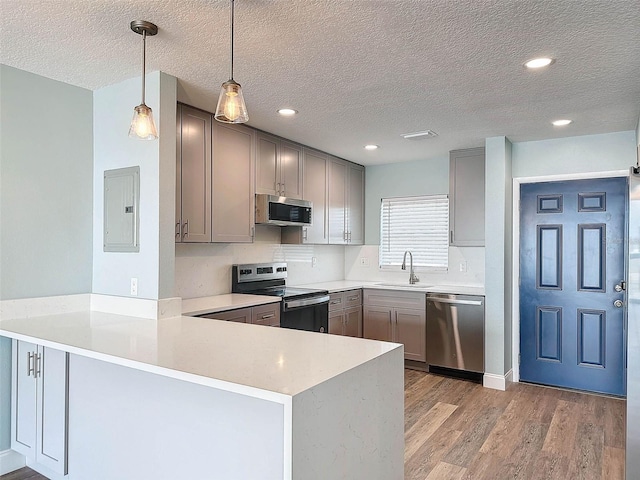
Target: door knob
<point>618,303</point>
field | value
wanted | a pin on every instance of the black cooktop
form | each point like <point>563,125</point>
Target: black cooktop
<point>288,293</point>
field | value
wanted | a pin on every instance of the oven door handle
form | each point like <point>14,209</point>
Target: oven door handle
<point>305,302</point>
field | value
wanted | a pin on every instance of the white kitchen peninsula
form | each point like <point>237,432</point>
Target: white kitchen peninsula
<point>196,398</point>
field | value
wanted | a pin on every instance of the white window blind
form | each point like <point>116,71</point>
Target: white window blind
<point>418,224</point>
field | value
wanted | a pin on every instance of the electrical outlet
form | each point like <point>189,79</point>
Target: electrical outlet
<point>314,261</point>
<point>364,261</point>
<point>463,266</point>
<point>134,286</point>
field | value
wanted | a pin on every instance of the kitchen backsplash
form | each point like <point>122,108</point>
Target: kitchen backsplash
<point>205,269</point>
<point>471,259</point>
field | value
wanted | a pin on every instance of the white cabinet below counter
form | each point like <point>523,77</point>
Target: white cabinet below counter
<point>39,405</point>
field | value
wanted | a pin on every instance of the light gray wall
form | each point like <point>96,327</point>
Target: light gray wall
<point>46,192</point>
<point>113,109</point>
<point>426,177</point>
<point>497,255</point>
<point>46,168</point>
<point>572,155</point>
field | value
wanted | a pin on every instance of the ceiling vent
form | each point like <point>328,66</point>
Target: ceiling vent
<point>419,135</point>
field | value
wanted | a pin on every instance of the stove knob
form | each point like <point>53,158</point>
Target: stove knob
<point>321,329</point>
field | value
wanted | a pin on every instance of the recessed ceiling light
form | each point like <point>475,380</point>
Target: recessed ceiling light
<point>371,147</point>
<point>287,112</point>
<point>539,62</point>
<point>561,123</point>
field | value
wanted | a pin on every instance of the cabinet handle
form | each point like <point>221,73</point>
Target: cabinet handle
<point>270,315</point>
<point>351,299</point>
<point>29,364</point>
<point>278,188</point>
<point>37,364</point>
<point>253,232</point>
<point>185,229</point>
<point>304,234</point>
<point>335,302</point>
<point>282,190</point>
<point>178,229</point>
<point>451,236</point>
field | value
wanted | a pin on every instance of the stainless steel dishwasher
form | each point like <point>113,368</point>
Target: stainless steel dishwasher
<point>455,332</point>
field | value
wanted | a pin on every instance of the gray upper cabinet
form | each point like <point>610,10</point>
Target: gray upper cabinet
<point>233,199</point>
<point>466,197</point>
<point>278,167</point>
<point>346,202</point>
<point>315,190</point>
<point>193,176</point>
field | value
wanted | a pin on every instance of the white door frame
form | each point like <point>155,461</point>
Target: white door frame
<point>515,254</point>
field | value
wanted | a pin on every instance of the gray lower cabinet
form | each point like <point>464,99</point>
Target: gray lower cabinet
<point>233,199</point>
<point>39,404</point>
<point>345,313</point>
<point>397,316</point>
<point>268,315</point>
<point>466,197</point>
<point>193,176</point>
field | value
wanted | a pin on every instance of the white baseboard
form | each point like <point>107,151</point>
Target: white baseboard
<point>10,461</point>
<point>497,382</point>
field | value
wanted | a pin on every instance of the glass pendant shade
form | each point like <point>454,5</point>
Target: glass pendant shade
<point>142,124</point>
<point>231,107</point>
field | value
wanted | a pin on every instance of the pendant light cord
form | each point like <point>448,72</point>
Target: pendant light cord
<point>232,8</point>
<point>144,55</point>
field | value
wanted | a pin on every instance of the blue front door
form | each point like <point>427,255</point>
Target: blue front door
<point>572,245</point>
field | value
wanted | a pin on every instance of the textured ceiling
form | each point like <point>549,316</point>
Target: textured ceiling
<point>359,71</point>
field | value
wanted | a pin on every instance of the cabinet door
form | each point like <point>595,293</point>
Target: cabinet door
<point>268,315</point>
<point>355,205</point>
<point>23,399</point>
<point>466,197</point>
<point>241,315</point>
<point>376,323</point>
<point>315,190</point>
<point>290,164</point>
<point>336,323</point>
<point>337,201</point>
<point>353,298</point>
<point>267,180</point>
<point>178,225</point>
<point>195,175</point>
<point>233,191</point>
<point>52,370</point>
<point>411,330</point>
<point>353,322</point>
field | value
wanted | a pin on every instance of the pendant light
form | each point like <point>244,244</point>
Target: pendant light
<point>231,107</point>
<point>142,125</point>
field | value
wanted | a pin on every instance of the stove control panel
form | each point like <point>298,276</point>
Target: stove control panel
<point>253,272</point>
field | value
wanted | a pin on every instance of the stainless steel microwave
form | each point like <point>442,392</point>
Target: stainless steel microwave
<point>282,211</point>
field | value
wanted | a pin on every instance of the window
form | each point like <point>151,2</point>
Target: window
<point>418,224</point>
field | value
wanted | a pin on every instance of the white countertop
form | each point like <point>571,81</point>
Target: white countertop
<point>220,303</point>
<point>342,285</point>
<point>263,362</point>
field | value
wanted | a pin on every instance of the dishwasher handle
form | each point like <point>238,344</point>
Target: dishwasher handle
<point>455,302</point>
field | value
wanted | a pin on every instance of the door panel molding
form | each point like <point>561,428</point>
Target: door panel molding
<point>549,333</point>
<point>592,352</point>
<point>592,259</point>
<point>549,257</point>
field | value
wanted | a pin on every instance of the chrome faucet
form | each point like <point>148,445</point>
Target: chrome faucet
<point>412,276</point>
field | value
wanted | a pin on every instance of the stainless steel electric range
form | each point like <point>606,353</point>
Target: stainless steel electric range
<point>300,309</point>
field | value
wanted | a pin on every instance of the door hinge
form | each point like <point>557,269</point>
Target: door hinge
<point>519,359</point>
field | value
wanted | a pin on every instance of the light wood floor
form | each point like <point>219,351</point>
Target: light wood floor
<point>460,430</point>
